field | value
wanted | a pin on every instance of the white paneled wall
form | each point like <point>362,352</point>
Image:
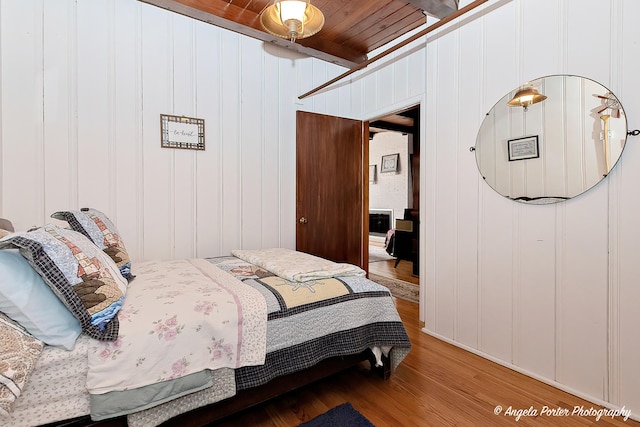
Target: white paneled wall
<point>391,189</point>
<point>549,290</point>
<point>83,85</point>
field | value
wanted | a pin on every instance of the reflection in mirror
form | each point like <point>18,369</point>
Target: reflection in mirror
<point>555,148</point>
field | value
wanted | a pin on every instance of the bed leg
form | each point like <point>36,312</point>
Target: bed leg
<point>383,371</point>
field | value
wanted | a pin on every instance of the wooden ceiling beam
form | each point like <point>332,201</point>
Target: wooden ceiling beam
<point>437,8</point>
<point>400,45</point>
<point>247,22</point>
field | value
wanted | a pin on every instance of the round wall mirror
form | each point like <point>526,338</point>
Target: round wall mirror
<point>551,139</point>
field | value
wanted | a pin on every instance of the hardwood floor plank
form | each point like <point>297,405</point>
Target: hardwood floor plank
<point>438,384</point>
<point>404,270</point>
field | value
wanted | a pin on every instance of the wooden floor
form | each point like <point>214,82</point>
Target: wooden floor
<point>404,270</point>
<point>436,385</point>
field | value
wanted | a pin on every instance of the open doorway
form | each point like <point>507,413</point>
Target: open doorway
<point>394,195</point>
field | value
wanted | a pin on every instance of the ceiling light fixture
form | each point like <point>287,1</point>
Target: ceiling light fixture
<point>292,19</point>
<point>525,97</point>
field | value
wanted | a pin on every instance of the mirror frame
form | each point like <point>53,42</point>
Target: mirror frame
<point>552,150</point>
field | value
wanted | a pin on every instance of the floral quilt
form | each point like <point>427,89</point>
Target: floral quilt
<point>180,317</point>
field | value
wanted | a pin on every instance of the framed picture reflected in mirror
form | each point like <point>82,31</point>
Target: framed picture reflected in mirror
<point>390,163</point>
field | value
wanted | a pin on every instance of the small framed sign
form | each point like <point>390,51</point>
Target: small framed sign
<point>181,132</point>
<point>523,148</point>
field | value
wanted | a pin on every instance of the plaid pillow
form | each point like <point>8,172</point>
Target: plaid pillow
<point>97,227</point>
<point>83,277</point>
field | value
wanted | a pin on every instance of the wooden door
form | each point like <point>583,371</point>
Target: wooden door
<point>332,206</point>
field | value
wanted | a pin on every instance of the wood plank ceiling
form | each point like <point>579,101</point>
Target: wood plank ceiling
<point>352,29</point>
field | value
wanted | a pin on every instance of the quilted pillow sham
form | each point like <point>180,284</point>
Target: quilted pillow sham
<point>27,299</point>
<point>18,355</point>
<point>83,277</point>
<point>101,231</point>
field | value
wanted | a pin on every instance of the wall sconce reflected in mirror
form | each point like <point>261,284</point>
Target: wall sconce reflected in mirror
<point>525,97</point>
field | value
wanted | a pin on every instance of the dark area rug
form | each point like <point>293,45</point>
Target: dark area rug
<point>340,416</point>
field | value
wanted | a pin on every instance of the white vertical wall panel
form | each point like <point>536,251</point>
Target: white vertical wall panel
<point>416,63</point>
<point>269,135</point>
<point>447,158</point>
<point>343,98</point>
<point>470,58</point>
<point>385,91</point>
<point>252,63</point>
<point>582,322</point>
<point>625,373</point>
<point>127,114</point>
<point>231,142</point>
<point>370,92</point>
<point>401,76</point>
<point>158,169</point>
<point>59,136</point>
<point>497,223</point>
<point>209,104</point>
<point>535,306</point>
<point>184,161</point>
<point>556,162</point>
<point>319,76</point>
<point>21,28</point>
<point>94,119</point>
<point>304,82</point>
<point>541,50</point>
<point>583,310</point>
<point>289,103</point>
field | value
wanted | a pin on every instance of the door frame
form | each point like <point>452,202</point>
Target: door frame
<point>422,257</point>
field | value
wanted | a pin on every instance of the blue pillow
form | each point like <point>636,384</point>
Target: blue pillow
<point>83,277</point>
<point>27,299</point>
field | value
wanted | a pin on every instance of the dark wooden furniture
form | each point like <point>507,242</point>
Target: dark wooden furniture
<point>406,245</point>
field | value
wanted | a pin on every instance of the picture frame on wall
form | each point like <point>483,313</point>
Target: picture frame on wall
<point>523,148</point>
<point>390,163</point>
<point>181,132</point>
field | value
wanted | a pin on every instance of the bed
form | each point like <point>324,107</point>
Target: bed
<point>196,340</point>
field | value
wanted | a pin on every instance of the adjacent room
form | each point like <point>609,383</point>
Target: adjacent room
<point>179,143</point>
<point>394,201</point>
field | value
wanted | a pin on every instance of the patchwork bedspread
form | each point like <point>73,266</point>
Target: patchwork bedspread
<point>316,319</point>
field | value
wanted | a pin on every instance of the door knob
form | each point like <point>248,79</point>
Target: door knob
<point>303,220</point>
